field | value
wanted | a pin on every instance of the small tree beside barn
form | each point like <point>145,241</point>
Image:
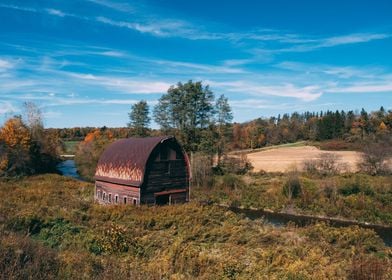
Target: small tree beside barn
<point>153,170</point>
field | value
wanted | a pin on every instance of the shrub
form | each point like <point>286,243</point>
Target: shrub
<point>202,170</point>
<point>232,181</point>
<point>292,187</point>
<point>375,157</point>
<point>326,164</point>
<point>237,165</point>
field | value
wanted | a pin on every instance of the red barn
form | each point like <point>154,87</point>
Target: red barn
<point>153,170</point>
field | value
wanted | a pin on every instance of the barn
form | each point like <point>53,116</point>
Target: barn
<point>152,170</point>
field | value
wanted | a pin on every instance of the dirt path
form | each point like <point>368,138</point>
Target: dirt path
<point>281,159</point>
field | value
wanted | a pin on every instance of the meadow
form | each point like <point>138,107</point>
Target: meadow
<point>51,228</point>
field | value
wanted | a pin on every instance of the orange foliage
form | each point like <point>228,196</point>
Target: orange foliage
<point>15,134</point>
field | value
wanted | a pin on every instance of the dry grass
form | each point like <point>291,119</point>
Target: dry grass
<point>280,160</point>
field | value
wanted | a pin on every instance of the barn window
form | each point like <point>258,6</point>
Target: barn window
<point>134,201</point>
<point>125,200</point>
<point>104,196</point>
<point>116,198</point>
<point>110,197</point>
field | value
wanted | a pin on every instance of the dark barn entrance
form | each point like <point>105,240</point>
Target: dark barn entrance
<point>162,199</point>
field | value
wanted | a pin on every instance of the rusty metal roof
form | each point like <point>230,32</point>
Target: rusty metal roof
<point>124,161</point>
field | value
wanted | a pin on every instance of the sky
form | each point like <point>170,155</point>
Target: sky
<point>85,62</point>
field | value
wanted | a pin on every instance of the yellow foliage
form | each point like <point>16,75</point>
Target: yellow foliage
<point>382,127</point>
<point>15,134</point>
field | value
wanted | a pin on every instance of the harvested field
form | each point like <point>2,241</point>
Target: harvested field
<point>282,158</point>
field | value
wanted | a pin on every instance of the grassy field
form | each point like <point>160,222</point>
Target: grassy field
<point>70,147</point>
<point>50,229</point>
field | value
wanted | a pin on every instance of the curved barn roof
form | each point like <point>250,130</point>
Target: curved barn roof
<point>124,161</point>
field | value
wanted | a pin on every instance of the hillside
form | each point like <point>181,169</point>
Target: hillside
<point>50,228</point>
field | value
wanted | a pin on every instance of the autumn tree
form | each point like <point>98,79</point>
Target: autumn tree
<point>15,140</point>
<point>89,151</point>
<point>139,118</point>
<point>375,156</point>
<point>45,145</point>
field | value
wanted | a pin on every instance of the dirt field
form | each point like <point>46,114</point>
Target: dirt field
<point>282,159</point>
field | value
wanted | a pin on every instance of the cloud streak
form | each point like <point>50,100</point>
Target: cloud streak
<point>174,28</point>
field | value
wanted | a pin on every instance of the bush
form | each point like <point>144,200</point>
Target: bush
<point>202,170</point>
<point>327,165</point>
<point>236,165</point>
<point>232,181</point>
<point>292,188</point>
<point>375,156</point>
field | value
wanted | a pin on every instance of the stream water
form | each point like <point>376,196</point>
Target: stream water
<point>282,219</point>
<point>68,168</point>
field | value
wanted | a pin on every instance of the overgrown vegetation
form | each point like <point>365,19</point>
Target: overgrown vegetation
<point>25,147</point>
<point>351,196</point>
<point>50,228</point>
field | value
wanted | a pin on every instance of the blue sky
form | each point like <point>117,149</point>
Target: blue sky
<point>85,62</point>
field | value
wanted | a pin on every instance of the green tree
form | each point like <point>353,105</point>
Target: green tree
<point>139,118</point>
<point>187,109</point>
<point>224,117</point>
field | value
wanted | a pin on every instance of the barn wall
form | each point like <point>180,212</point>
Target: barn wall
<point>165,174</point>
<point>132,194</point>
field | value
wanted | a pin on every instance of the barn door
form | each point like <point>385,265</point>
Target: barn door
<point>162,199</point>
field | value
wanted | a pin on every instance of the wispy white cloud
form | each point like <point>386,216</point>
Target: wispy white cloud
<point>126,85</point>
<point>119,6</point>
<point>204,68</point>
<point>359,87</point>
<point>307,93</point>
<point>56,12</point>
<point>158,26</point>
<point>343,72</point>
<point>328,42</point>
<point>7,107</point>
<point>5,65</point>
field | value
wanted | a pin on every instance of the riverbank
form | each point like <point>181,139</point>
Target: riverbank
<point>358,197</point>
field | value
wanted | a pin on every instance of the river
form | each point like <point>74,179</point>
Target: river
<point>68,169</point>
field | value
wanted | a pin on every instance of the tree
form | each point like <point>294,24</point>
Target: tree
<point>224,117</point>
<point>89,151</point>
<point>375,156</point>
<point>139,118</point>
<point>16,144</point>
<point>187,109</point>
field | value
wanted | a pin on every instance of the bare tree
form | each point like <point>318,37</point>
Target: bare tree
<point>375,156</point>
<point>326,164</point>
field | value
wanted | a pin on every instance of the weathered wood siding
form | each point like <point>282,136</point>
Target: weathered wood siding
<point>166,174</point>
<point>104,189</point>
